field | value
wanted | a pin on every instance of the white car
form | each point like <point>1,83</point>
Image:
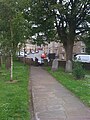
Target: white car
<point>21,53</point>
<point>41,61</point>
<point>83,58</point>
<point>32,52</point>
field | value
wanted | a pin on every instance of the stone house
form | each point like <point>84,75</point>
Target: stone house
<point>57,48</point>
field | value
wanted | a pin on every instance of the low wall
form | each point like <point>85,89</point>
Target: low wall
<point>27,61</point>
<point>62,64</point>
<point>86,66</point>
<point>30,61</point>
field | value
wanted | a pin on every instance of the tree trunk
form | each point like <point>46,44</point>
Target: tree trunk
<point>11,70</point>
<point>8,62</point>
<point>0,61</point>
<point>24,54</point>
<point>67,38</point>
<point>12,51</point>
<point>69,53</point>
<point>19,50</point>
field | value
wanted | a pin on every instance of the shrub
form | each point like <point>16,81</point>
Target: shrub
<point>78,70</point>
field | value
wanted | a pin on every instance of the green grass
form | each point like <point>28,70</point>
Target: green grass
<point>14,97</point>
<point>81,88</point>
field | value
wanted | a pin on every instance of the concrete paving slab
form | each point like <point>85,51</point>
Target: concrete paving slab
<point>52,101</point>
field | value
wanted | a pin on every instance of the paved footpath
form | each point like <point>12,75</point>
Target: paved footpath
<point>51,101</point>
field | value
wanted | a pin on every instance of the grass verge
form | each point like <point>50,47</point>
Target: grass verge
<point>14,97</point>
<point>81,88</point>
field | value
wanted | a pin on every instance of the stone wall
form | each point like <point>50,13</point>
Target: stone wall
<point>29,61</point>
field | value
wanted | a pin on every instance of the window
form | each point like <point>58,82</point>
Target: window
<point>83,50</point>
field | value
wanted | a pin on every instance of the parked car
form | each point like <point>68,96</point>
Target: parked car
<point>41,61</point>
<point>21,53</point>
<point>82,58</point>
<point>33,52</point>
<point>43,55</point>
<point>37,51</point>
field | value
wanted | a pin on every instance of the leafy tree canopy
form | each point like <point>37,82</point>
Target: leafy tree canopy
<point>13,28</point>
<point>66,18</point>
